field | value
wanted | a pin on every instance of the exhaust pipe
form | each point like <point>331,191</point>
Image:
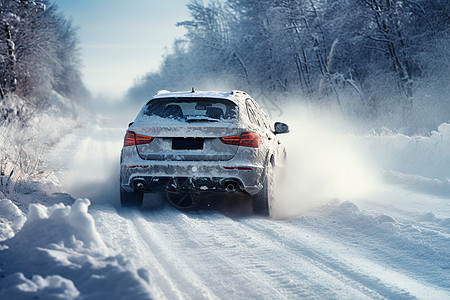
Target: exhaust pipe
<point>140,184</point>
<point>231,186</point>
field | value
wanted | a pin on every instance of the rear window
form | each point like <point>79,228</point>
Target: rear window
<point>192,109</point>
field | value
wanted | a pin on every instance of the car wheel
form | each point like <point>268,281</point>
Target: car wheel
<point>131,199</point>
<point>182,200</point>
<point>262,201</point>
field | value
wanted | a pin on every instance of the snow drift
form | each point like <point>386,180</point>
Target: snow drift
<point>58,254</point>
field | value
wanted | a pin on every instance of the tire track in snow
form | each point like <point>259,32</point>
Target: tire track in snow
<point>159,238</point>
<point>206,255</point>
<point>121,234</point>
<point>286,270</point>
<point>243,254</point>
<point>320,252</point>
<point>340,257</point>
<point>404,248</point>
<point>203,261</point>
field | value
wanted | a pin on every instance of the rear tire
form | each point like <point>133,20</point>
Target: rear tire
<point>131,199</point>
<point>182,200</point>
<point>262,201</point>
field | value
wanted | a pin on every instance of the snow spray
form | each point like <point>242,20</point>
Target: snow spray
<point>324,163</point>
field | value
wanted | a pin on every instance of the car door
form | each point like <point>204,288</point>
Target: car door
<point>273,143</point>
<point>257,117</point>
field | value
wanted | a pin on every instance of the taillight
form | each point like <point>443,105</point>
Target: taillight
<point>132,139</point>
<point>142,139</point>
<point>246,139</point>
<point>129,139</point>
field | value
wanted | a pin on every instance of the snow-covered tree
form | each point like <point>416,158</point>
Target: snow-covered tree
<point>38,55</point>
<point>374,52</point>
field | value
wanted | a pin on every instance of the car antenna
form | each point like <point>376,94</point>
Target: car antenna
<point>192,91</point>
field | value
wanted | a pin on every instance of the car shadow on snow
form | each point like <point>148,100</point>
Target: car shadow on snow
<point>233,206</point>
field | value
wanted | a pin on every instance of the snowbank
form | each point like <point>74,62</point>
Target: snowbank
<point>417,162</point>
<point>409,251</point>
<point>27,137</point>
<point>57,253</point>
<point>11,218</point>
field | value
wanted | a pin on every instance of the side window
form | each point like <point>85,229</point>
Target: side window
<point>251,112</point>
<point>266,121</point>
<point>260,116</point>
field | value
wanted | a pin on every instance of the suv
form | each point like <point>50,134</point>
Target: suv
<point>187,145</point>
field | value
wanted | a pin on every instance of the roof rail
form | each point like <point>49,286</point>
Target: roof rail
<point>238,92</point>
<point>162,92</point>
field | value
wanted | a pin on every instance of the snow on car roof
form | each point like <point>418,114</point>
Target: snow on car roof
<point>197,94</point>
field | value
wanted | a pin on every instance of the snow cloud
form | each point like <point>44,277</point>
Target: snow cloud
<point>325,162</point>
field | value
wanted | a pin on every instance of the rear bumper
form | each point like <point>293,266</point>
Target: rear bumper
<point>157,184</point>
<point>190,176</point>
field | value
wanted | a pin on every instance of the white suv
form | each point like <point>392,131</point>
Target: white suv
<point>187,145</point>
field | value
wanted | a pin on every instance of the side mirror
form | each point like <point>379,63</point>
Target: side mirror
<point>130,124</point>
<point>281,128</point>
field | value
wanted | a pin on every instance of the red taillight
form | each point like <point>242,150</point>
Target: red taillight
<point>142,139</point>
<point>132,139</point>
<point>129,139</point>
<point>246,139</point>
<point>250,139</point>
<point>231,140</point>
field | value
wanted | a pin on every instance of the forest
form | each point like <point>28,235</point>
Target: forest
<point>383,61</point>
<point>38,56</point>
<point>40,87</point>
<point>368,58</point>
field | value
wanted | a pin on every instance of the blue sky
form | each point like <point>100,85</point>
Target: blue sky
<point>122,40</point>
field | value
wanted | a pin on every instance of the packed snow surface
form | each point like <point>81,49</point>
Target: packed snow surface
<point>363,216</point>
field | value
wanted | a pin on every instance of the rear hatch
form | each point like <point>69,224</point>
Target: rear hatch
<point>187,129</point>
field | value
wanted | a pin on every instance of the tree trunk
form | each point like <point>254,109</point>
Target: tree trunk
<point>387,20</point>
<point>10,76</point>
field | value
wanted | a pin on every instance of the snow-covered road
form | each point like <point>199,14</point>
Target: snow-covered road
<point>337,251</point>
<point>344,240</point>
